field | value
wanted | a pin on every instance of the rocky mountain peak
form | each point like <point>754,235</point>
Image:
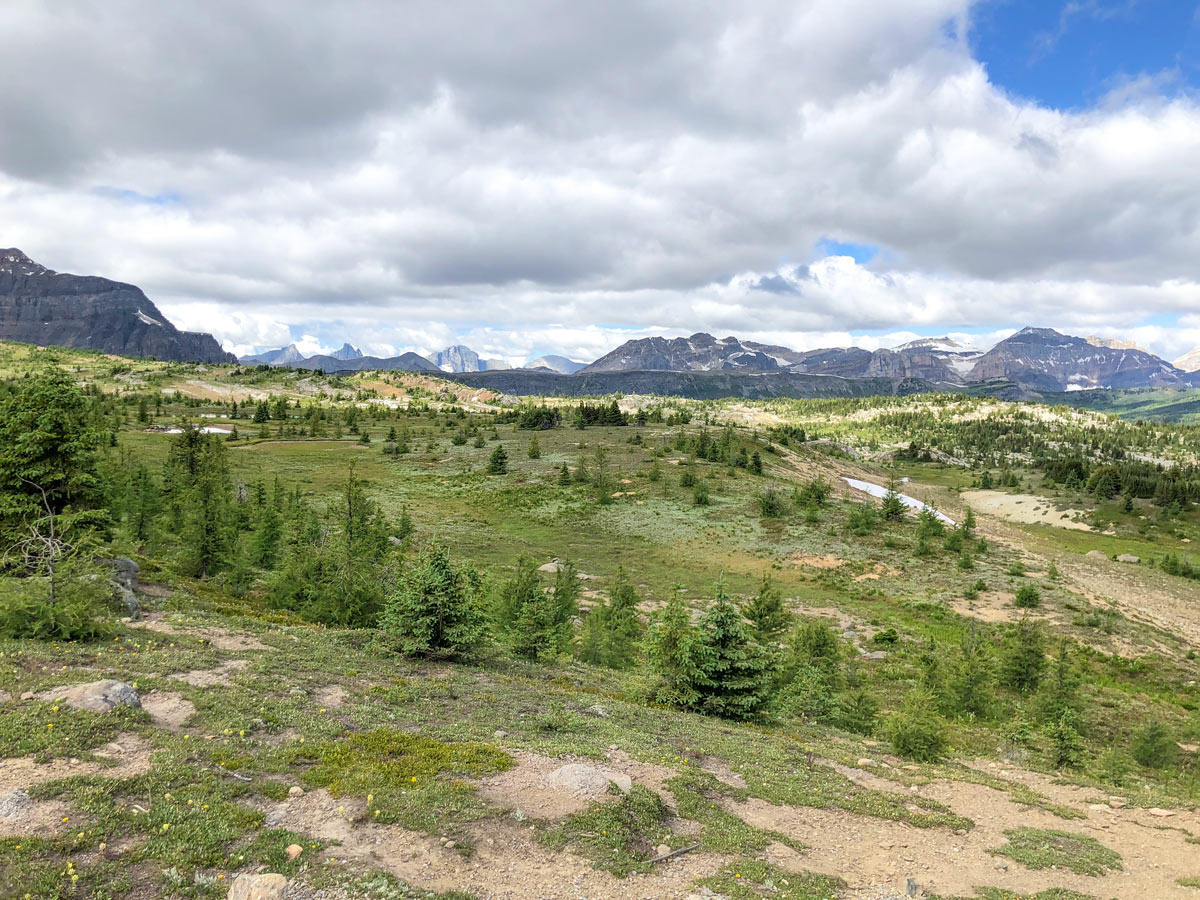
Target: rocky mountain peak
<point>15,262</point>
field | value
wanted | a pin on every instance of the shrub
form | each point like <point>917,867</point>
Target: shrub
<point>27,613</point>
<point>1153,746</point>
<point>700,494</point>
<point>916,731</point>
<point>862,519</point>
<point>1028,597</point>
<point>770,502</point>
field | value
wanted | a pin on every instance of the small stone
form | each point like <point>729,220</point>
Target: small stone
<point>662,849</point>
<point>870,743</point>
<point>294,850</point>
<point>1161,813</point>
<point>1117,802</point>
<point>1001,867</point>
<point>1129,558</point>
<point>27,695</point>
<point>450,845</point>
<point>1096,554</point>
<point>257,887</point>
<point>295,791</point>
<point>499,734</point>
<point>865,762</point>
<point>5,696</point>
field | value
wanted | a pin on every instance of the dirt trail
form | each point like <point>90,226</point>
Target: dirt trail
<point>508,863</point>
<point>221,638</point>
<point>877,856</point>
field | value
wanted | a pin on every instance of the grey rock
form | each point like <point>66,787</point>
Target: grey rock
<point>587,781</point>
<point>1096,554</point>
<point>15,804</point>
<point>1129,558</point>
<point>95,696</point>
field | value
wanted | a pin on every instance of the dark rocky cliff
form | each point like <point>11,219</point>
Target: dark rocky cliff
<point>41,306</point>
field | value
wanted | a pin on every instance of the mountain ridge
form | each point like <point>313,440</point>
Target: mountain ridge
<point>41,306</point>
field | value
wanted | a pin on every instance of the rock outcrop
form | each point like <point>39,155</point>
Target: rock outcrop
<point>41,306</point>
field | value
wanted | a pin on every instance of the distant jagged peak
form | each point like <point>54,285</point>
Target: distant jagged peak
<point>15,262</point>
<point>347,351</point>
<point>945,343</point>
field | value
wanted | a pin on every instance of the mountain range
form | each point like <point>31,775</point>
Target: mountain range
<point>453,360</point>
<point>41,306</point>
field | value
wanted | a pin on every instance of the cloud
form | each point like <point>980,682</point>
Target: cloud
<point>538,177</point>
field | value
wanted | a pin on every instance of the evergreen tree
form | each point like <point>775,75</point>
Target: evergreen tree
<point>433,610</point>
<point>611,630</point>
<point>49,435</point>
<point>564,475</point>
<point>917,731</point>
<point>1060,688</point>
<point>1025,658</point>
<point>733,681</point>
<point>526,618</point>
<point>766,613</point>
<point>893,508</point>
<point>264,541</point>
<point>498,463</point>
<point>1067,750</point>
<point>566,604</point>
<point>535,448</point>
<point>971,685</point>
<point>670,649</point>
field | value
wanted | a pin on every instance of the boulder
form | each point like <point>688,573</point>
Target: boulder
<point>95,696</point>
<point>15,804</point>
<point>5,696</point>
<point>257,887</point>
<point>1096,554</point>
<point>125,582</point>
<point>587,781</point>
<point>1129,558</point>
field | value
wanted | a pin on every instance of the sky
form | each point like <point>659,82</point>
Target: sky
<point>531,177</point>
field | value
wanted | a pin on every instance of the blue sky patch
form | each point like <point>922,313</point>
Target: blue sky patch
<point>1071,54</point>
<point>862,253</point>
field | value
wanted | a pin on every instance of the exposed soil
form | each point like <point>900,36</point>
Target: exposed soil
<point>1025,508</point>
<point>220,638</point>
<point>168,710</point>
<point>130,754</point>
<point>222,674</point>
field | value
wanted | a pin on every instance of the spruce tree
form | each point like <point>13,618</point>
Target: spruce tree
<point>611,630</point>
<point>433,611</point>
<point>671,650</point>
<point>766,613</point>
<point>1025,658</point>
<point>733,681</point>
<point>498,463</point>
<point>971,685</point>
<point>526,615</point>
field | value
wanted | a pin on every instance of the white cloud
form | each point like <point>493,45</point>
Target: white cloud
<point>405,178</point>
